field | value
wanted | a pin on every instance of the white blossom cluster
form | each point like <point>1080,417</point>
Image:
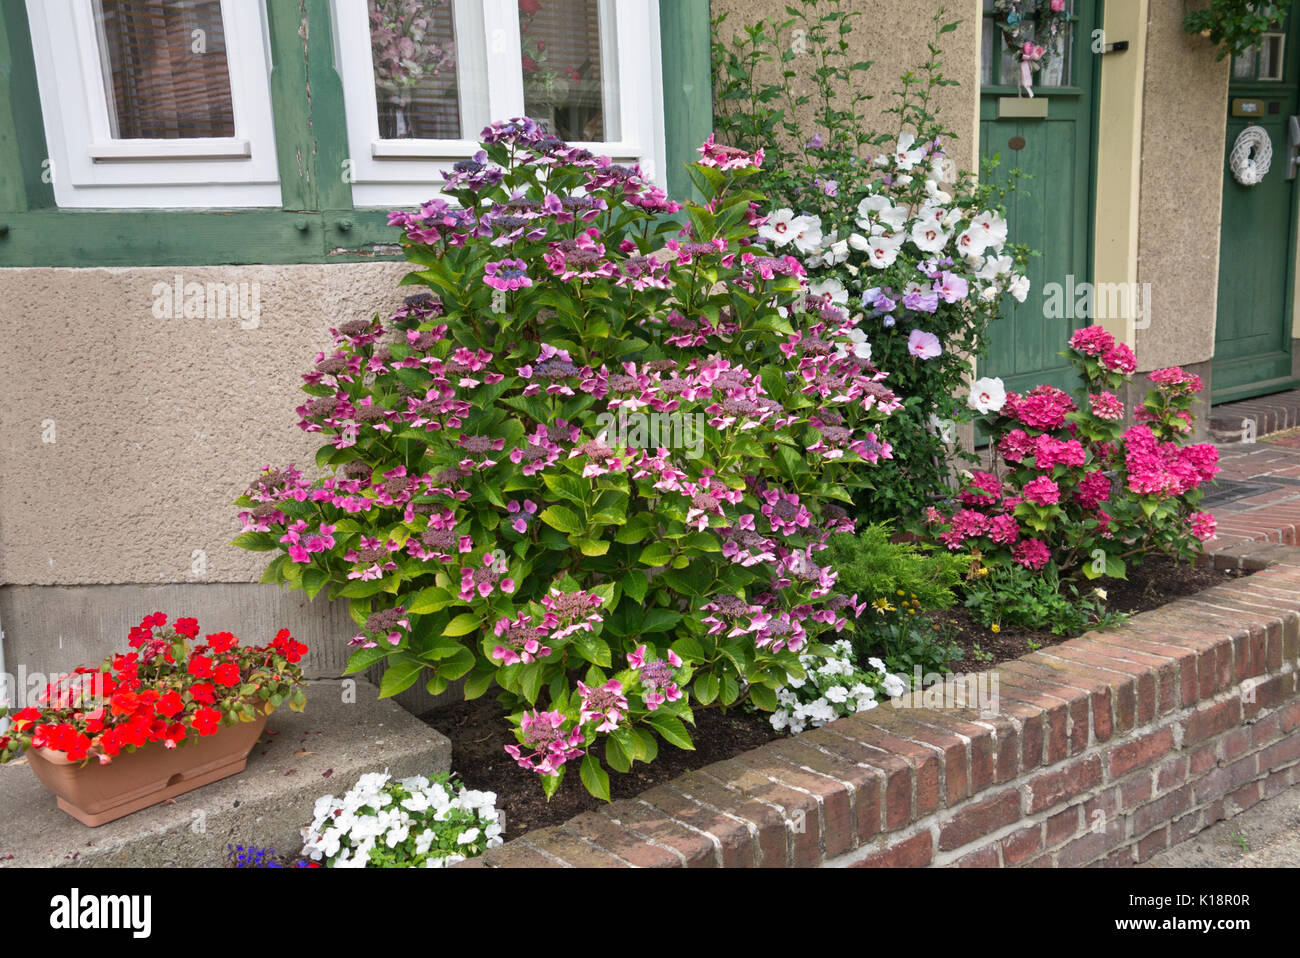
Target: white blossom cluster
<point>833,687</point>
<point>409,823</point>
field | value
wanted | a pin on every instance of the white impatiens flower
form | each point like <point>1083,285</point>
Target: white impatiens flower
<point>987,395</point>
<point>877,664</point>
<point>894,686</point>
<point>904,155</point>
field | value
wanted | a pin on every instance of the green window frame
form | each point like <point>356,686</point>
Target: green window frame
<point>317,221</point>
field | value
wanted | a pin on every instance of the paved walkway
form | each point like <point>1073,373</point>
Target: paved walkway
<point>1257,496</point>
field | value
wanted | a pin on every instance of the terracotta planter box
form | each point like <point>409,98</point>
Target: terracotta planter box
<point>96,794</point>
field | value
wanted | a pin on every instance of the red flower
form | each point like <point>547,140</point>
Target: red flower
<point>187,627</point>
<point>170,704</point>
<point>291,649</point>
<point>155,621</point>
<point>530,7</point>
<point>203,693</point>
<point>227,674</point>
<point>206,721</point>
<point>25,719</point>
<point>200,666</point>
<point>174,735</point>
<point>221,642</point>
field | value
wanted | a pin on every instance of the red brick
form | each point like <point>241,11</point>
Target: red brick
<point>1210,721</point>
<point>517,854</point>
<point>914,852</point>
<point>1052,788</point>
<point>922,759</point>
<point>1161,810</point>
<point>933,729</point>
<point>1279,754</point>
<point>1171,774</point>
<point>784,761</point>
<point>1063,824</point>
<point>731,839</point>
<point>766,826</point>
<point>572,849</point>
<point>869,800</point>
<point>1203,758</point>
<point>1155,842</point>
<point>621,842</point>
<point>696,850</point>
<point>797,807</point>
<point>1091,845</point>
<point>1019,846</point>
<point>1246,796</point>
<point>1054,745</point>
<point>1135,791</point>
<point>983,858</point>
<point>1143,751</point>
<point>979,819</point>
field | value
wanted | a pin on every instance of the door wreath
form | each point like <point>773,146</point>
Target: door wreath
<point>1032,30</point>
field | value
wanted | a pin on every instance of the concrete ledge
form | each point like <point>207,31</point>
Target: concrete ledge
<point>313,753</point>
<point>1102,750</point>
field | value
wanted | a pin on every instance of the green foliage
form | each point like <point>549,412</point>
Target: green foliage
<point>1018,597</point>
<point>847,182</point>
<point>906,642</point>
<point>1236,25</point>
<point>876,568</point>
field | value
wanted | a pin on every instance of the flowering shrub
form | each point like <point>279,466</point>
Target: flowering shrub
<point>832,686</point>
<point>594,467</point>
<point>1076,489</point>
<point>411,823</point>
<point>885,225</point>
<point>162,691</point>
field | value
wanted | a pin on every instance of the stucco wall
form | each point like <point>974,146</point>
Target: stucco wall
<point>893,34</point>
<point>1185,108</point>
<point>157,424</point>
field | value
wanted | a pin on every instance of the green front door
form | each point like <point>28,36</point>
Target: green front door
<point>1252,333</point>
<point>1051,211</point>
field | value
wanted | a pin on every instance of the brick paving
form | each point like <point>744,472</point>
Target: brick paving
<point>1269,511</point>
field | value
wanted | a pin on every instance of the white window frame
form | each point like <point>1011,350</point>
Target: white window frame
<point>91,169</point>
<point>405,173</point>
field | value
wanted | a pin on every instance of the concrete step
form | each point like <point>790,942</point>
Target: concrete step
<point>319,751</point>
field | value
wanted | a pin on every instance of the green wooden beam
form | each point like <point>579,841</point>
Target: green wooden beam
<point>307,102</point>
<point>688,86</point>
<point>24,181</point>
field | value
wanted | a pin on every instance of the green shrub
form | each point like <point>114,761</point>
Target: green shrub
<point>1013,595</point>
<point>876,568</point>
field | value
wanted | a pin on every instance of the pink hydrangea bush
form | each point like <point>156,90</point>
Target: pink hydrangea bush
<point>1072,487</point>
<point>594,464</point>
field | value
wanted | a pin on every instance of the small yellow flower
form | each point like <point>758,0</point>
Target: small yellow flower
<point>996,627</point>
<point>901,592</point>
<point>883,606</point>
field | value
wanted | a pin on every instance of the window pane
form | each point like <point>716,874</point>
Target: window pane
<point>165,69</point>
<point>566,84</point>
<point>1243,65</point>
<point>988,43</point>
<point>413,43</point>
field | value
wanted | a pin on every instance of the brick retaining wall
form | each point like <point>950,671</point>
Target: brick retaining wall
<point>1102,750</point>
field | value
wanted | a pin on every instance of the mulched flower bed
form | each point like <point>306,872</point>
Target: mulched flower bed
<point>479,732</point>
<point>1149,586</point>
<point>479,735</point>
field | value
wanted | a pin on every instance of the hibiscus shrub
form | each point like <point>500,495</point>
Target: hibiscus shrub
<point>593,465</point>
<point>1071,487</point>
<point>162,691</point>
<point>885,225</point>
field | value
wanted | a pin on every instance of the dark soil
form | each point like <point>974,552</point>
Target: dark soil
<point>479,734</point>
<point>1148,586</point>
